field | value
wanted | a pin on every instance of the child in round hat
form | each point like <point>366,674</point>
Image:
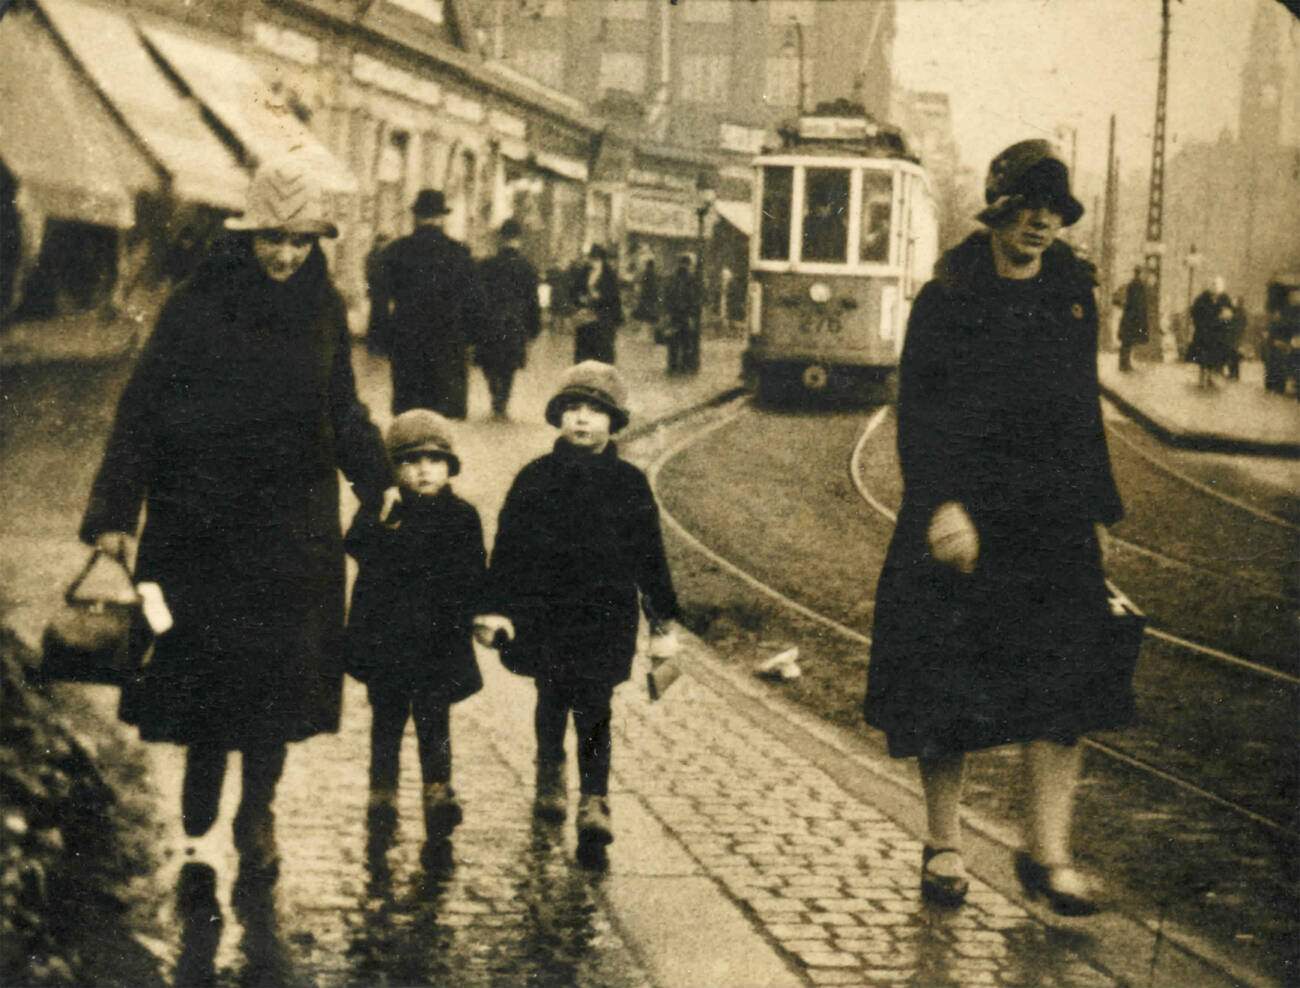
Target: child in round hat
<point>578,545</point>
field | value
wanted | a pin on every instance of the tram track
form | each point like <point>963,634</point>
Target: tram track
<point>1128,759</point>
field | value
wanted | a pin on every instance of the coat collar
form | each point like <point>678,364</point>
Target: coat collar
<point>968,269</point>
<point>568,453</point>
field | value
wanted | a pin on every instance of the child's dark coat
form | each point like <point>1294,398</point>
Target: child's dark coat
<point>578,536</point>
<point>421,574</point>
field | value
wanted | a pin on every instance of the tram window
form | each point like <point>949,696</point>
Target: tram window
<point>778,192</point>
<point>826,221</point>
<point>877,210</point>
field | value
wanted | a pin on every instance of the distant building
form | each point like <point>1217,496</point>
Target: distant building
<point>926,119</point>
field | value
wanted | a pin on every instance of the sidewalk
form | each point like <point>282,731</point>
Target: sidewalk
<point>1233,417</point>
<point>751,851</point>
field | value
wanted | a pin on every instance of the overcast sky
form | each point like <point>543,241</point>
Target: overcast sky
<point>1022,68</point>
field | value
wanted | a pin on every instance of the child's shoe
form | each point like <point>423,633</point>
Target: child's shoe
<point>441,809</point>
<point>552,801</point>
<point>593,820</point>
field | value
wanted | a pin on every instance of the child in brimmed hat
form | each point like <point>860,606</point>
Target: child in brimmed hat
<point>411,624</point>
<point>577,543</point>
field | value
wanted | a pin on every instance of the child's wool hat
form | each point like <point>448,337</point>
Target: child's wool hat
<point>422,431</point>
<point>596,382</point>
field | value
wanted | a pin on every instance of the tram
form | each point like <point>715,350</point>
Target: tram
<point>845,234</point>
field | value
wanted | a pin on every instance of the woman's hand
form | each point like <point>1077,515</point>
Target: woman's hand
<point>115,544</point>
<point>663,641</point>
<point>952,537</point>
<point>488,626</point>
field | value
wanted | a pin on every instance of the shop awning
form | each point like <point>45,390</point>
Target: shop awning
<point>109,49</point>
<point>739,214</point>
<point>57,136</point>
<point>230,88</point>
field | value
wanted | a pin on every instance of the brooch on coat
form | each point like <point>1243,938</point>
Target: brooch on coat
<point>1076,310</point>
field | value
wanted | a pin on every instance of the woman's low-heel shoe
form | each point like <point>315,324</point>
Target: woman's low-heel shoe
<point>942,890</point>
<point>1066,889</point>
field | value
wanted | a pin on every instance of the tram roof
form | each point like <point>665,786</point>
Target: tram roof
<point>841,135</point>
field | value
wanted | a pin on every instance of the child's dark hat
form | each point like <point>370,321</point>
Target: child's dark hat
<point>422,431</point>
<point>596,382</point>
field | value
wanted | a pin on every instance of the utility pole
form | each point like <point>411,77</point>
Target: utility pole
<point>1108,223</point>
<point>1154,247</point>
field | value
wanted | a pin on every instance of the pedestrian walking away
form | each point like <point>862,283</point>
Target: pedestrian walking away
<point>1135,322</point>
<point>514,316</point>
<point>992,599</point>
<point>682,303</point>
<point>1214,317</point>
<point>578,541</point>
<point>241,497</point>
<point>647,303</point>
<point>600,310</point>
<point>428,295</point>
<point>377,291</point>
<point>410,628</point>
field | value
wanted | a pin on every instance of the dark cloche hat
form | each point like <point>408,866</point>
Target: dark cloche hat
<point>511,229</point>
<point>1029,170</point>
<point>596,382</point>
<point>422,431</point>
<point>430,202</point>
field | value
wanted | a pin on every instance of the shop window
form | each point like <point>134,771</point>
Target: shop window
<point>430,10</point>
<point>784,11</point>
<point>877,212</point>
<point>707,11</point>
<point>826,215</point>
<point>706,78</point>
<point>626,10</point>
<point>542,65</point>
<point>622,70</point>
<point>774,231</point>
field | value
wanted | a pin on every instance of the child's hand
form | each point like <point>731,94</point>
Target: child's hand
<point>488,626</point>
<point>392,497</point>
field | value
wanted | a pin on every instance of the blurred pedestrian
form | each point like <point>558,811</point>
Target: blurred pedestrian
<point>577,543</point>
<point>238,482</point>
<point>682,305</point>
<point>647,303</point>
<point>1135,323</point>
<point>600,309</point>
<point>378,328</point>
<point>514,315</point>
<point>1212,321</point>
<point>410,626</point>
<point>993,597</point>
<point>434,307</point>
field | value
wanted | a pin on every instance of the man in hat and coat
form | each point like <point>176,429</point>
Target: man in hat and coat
<point>514,316</point>
<point>1135,322</point>
<point>432,304</point>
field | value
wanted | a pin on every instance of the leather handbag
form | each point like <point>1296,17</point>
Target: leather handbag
<point>1110,683</point>
<point>100,633</point>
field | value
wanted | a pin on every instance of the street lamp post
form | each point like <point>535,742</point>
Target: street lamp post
<point>707,196</point>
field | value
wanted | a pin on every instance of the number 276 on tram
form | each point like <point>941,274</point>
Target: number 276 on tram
<point>845,235</point>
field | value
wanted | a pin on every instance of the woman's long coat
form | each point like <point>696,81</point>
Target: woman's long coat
<point>594,340</point>
<point>514,314</point>
<point>577,538</point>
<point>240,412</point>
<point>412,618</point>
<point>998,410</point>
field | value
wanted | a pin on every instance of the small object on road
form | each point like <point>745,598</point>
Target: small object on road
<point>783,666</point>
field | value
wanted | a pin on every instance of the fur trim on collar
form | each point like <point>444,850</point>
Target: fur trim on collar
<point>968,267</point>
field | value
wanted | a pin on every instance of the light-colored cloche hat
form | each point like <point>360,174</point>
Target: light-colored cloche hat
<point>420,430</point>
<point>596,382</point>
<point>285,194</point>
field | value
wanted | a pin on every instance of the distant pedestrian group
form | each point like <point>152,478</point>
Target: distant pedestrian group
<point>1218,323</point>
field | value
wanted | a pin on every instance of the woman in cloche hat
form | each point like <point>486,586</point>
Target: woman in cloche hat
<point>992,604</point>
<point>238,414</point>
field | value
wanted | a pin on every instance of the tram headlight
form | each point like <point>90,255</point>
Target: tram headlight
<point>820,292</point>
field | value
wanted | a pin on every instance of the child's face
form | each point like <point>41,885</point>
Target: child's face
<point>585,425</point>
<point>422,473</point>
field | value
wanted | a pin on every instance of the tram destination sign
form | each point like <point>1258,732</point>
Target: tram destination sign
<point>836,128</point>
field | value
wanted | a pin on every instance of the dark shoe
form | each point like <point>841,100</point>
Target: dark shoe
<point>381,815</point>
<point>594,820</point>
<point>942,890</point>
<point>552,801</point>
<point>1068,891</point>
<point>259,856</point>
<point>442,810</point>
<point>205,771</point>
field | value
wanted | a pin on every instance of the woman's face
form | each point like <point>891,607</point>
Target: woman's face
<point>281,254</point>
<point>1028,232</point>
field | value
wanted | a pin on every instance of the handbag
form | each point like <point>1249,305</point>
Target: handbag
<point>1110,679</point>
<point>100,633</point>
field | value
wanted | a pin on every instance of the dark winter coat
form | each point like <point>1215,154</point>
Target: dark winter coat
<point>514,313</point>
<point>1212,332</point>
<point>577,539</point>
<point>647,303</point>
<point>418,584</point>
<point>240,486</point>
<point>682,301</point>
<point>1135,321</point>
<point>594,338</point>
<point>998,410</point>
<point>434,303</point>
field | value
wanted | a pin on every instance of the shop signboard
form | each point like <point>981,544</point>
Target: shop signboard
<point>287,43</point>
<point>661,217</point>
<point>464,108</point>
<point>396,80</point>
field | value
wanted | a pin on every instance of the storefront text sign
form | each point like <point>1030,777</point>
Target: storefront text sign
<point>287,43</point>
<point>660,180</point>
<point>395,80</point>
<point>661,218</point>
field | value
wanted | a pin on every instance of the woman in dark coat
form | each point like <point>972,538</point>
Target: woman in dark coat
<point>240,486</point>
<point>514,315</point>
<point>598,295</point>
<point>992,593</point>
<point>647,303</point>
